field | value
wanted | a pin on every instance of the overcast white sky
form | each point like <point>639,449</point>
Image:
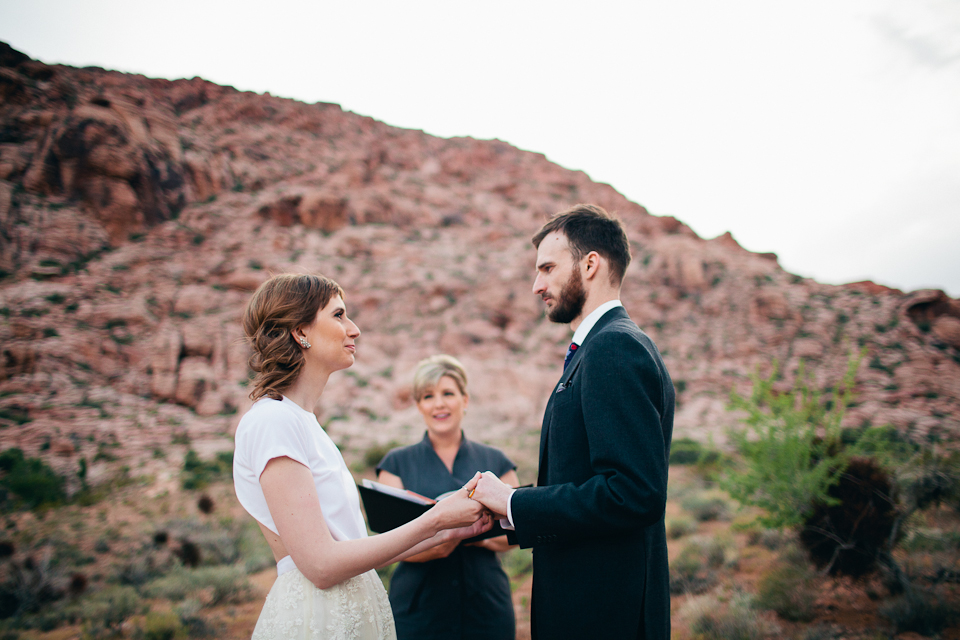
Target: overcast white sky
<point>827,132</point>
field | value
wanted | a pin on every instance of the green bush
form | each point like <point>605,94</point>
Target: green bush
<point>176,585</point>
<point>924,612</point>
<point>685,451</point>
<point>693,570</point>
<point>224,584</point>
<point>771,539</point>
<point>198,473</point>
<point>253,548</point>
<point>931,540</point>
<point>821,632</point>
<point>105,613</point>
<point>194,624</point>
<point>30,479</point>
<point>709,619</point>
<point>707,506</point>
<point>789,590</point>
<point>790,447</point>
<point>517,563</point>
<point>218,584</point>
<point>374,454</point>
<point>679,527</point>
<point>163,626</point>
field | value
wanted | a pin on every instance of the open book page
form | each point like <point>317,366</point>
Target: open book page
<point>403,494</point>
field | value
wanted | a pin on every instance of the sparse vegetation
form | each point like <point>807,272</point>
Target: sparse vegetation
<point>789,589</point>
<point>679,527</point>
<point>712,619</point>
<point>374,454</point>
<point>30,480</point>
<point>198,473</point>
<point>707,506</point>
<point>921,611</point>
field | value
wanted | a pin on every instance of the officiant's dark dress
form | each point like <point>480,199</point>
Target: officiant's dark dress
<point>465,596</point>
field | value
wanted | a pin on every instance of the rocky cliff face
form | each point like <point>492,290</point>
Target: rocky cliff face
<point>137,215</point>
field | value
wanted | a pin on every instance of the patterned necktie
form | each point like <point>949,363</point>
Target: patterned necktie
<point>570,351</point>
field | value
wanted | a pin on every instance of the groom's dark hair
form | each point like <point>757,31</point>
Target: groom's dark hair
<point>587,228</point>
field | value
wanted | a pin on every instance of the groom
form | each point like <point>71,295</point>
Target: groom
<point>595,518</point>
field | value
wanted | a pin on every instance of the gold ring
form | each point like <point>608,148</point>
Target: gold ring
<point>470,495</point>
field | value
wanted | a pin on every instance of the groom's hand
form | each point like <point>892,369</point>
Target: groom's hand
<point>492,493</point>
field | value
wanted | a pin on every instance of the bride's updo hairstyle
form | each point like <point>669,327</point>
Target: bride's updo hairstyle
<point>278,306</point>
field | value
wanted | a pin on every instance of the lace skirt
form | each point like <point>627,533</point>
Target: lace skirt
<point>355,609</point>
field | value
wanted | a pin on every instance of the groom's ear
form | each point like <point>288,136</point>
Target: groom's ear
<point>590,265</point>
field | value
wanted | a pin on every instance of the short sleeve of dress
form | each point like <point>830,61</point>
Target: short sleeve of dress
<point>501,463</point>
<point>276,436</point>
<point>391,462</point>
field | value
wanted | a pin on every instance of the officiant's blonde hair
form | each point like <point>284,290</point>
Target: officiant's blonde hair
<point>430,370</point>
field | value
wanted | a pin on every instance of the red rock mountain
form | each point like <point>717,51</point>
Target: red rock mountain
<point>137,215</point>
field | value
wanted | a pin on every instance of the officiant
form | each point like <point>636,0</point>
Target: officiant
<point>452,591</point>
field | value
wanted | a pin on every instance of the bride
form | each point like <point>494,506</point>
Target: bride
<point>291,478</point>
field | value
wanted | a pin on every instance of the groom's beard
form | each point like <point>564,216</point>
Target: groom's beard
<point>571,300</point>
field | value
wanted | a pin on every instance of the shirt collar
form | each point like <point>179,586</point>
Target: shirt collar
<point>584,329</point>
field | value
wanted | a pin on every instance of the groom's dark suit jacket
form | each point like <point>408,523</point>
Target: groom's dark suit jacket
<point>595,518</point>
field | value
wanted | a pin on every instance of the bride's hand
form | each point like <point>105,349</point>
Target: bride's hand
<point>480,526</point>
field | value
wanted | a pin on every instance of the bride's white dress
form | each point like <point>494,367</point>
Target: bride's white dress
<point>356,609</point>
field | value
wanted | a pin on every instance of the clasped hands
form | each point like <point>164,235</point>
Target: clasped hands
<point>471,510</point>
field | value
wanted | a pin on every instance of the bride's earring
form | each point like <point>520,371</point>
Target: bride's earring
<point>304,343</point>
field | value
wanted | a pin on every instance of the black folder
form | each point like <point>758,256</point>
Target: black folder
<point>386,511</point>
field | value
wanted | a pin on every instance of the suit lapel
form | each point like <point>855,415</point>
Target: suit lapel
<point>605,319</point>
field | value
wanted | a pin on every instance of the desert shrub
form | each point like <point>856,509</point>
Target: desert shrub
<point>198,473</point>
<point>29,586</point>
<point>375,453</point>
<point>218,584</point>
<point>709,619</point>
<point>206,504</point>
<point>707,506</point>
<point>253,548</point>
<point>163,626</point>
<point>194,624</point>
<point>139,570</point>
<point>517,563</point>
<point>931,540</point>
<point>789,590</point>
<point>175,585</point>
<point>105,613</point>
<point>686,451</point>
<point>771,539</point>
<point>30,479</point>
<point>50,617</point>
<point>203,544</point>
<point>78,584</point>
<point>679,527</point>
<point>225,584</point>
<point>694,569</point>
<point>789,447</point>
<point>847,535</point>
<point>928,479</point>
<point>189,553</point>
<point>821,632</point>
<point>923,612</point>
